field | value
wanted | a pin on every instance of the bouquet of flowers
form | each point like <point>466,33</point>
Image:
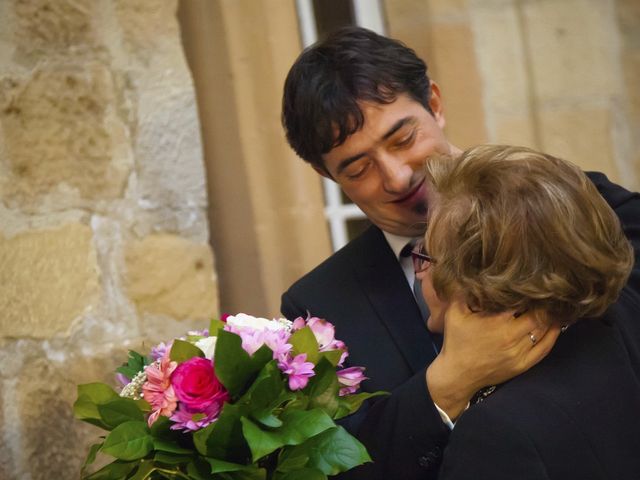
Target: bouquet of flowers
<point>249,398</point>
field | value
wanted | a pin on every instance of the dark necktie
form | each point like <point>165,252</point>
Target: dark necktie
<point>422,305</point>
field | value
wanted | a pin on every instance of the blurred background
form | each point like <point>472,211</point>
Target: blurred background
<point>562,76</point>
<point>146,185</point>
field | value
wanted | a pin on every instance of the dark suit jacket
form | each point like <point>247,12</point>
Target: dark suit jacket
<point>574,416</point>
<point>362,290</point>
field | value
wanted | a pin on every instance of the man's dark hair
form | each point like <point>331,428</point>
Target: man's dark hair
<point>321,93</point>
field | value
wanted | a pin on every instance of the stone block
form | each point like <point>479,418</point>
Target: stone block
<point>168,147</point>
<point>147,25</point>
<point>572,48</point>
<point>49,278</point>
<point>45,26</point>
<point>168,275</point>
<point>582,136</point>
<point>62,134</point>
<point>53,443</point>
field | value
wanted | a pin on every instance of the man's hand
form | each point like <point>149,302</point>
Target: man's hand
<point>481,350</point>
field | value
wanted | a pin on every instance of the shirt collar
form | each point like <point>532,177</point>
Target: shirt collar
<point>397,243</point>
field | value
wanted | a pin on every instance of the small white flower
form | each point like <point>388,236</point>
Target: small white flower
<point>208,346</point>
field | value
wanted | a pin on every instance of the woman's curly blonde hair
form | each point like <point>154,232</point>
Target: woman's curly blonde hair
<point>515,229</point>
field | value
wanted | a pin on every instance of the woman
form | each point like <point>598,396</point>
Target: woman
<point>511,229</point>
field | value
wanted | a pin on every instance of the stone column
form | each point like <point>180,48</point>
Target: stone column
<point>103,212</point>
<point>268,225</point>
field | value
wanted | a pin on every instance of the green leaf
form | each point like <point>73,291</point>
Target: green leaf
<point>90,395</point>
<point>144,471</point>
<point>333,451</point>
<point>250,473</point>
<point>333,356</point>
<point>135,364</point>
<point>129,441</point>
<point>304,341</point>
<point>198,469</point>
<point>267,393</point>
<point>114,471</point>
<point>236,369</point>
<point>260,442</point>
<point>351,403</point>
<point>302,474</point>
<point>171,458</point>
<point>161,428</point>
<point>291,459</point>
<point>297,427</point>
<point>171,447</point>
<point>182,351</point>
<point>223,439</point>
<point>220,466</point>
<point>323,388</point>
<point>143,405</point>
<point>118,411</point>
<point>91,457</point>
<point>215,326</point>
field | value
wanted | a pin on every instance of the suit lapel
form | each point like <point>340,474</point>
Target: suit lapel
<point>384,284</point>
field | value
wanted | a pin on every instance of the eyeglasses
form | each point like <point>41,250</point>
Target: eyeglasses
<point>421,260</point>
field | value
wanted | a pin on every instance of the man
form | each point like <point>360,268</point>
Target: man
<point>362,111</point>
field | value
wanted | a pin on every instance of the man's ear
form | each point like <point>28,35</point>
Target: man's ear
<point>435,103</point>
<point>322,171</point>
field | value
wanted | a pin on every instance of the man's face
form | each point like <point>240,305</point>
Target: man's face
<point>381,166</point>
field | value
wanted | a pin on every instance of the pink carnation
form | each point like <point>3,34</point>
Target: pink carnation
<point>198,389</point>
<point>350,379</point>
<point>298,370</point>
<point>158,391</point>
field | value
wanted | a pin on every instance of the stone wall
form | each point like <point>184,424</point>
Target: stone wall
<point>103,221</point>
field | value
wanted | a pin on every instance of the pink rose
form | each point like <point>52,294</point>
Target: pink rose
<point>196,385</point>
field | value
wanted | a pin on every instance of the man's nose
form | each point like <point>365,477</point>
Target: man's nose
<point>395,173</point>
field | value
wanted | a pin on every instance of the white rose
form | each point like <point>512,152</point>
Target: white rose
<point>242,320</point>
<point>208,346</point>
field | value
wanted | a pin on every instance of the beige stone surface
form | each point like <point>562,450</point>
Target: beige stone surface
<point>410,22</point>
<point>62,133</point>
<point>501,56</point>
<point>459,79</point>
<point>48,279</point>
<point>5,452</point>
<point>573,49</point>
<point>172,276</point>
<point>513,129</point>
<point>582,136</point>
<point>54,444</point>
<point>629,21</point>
<point>446,8</point>
<point>507,89</point>
<point>147,25</point>
<point>43,26</point>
